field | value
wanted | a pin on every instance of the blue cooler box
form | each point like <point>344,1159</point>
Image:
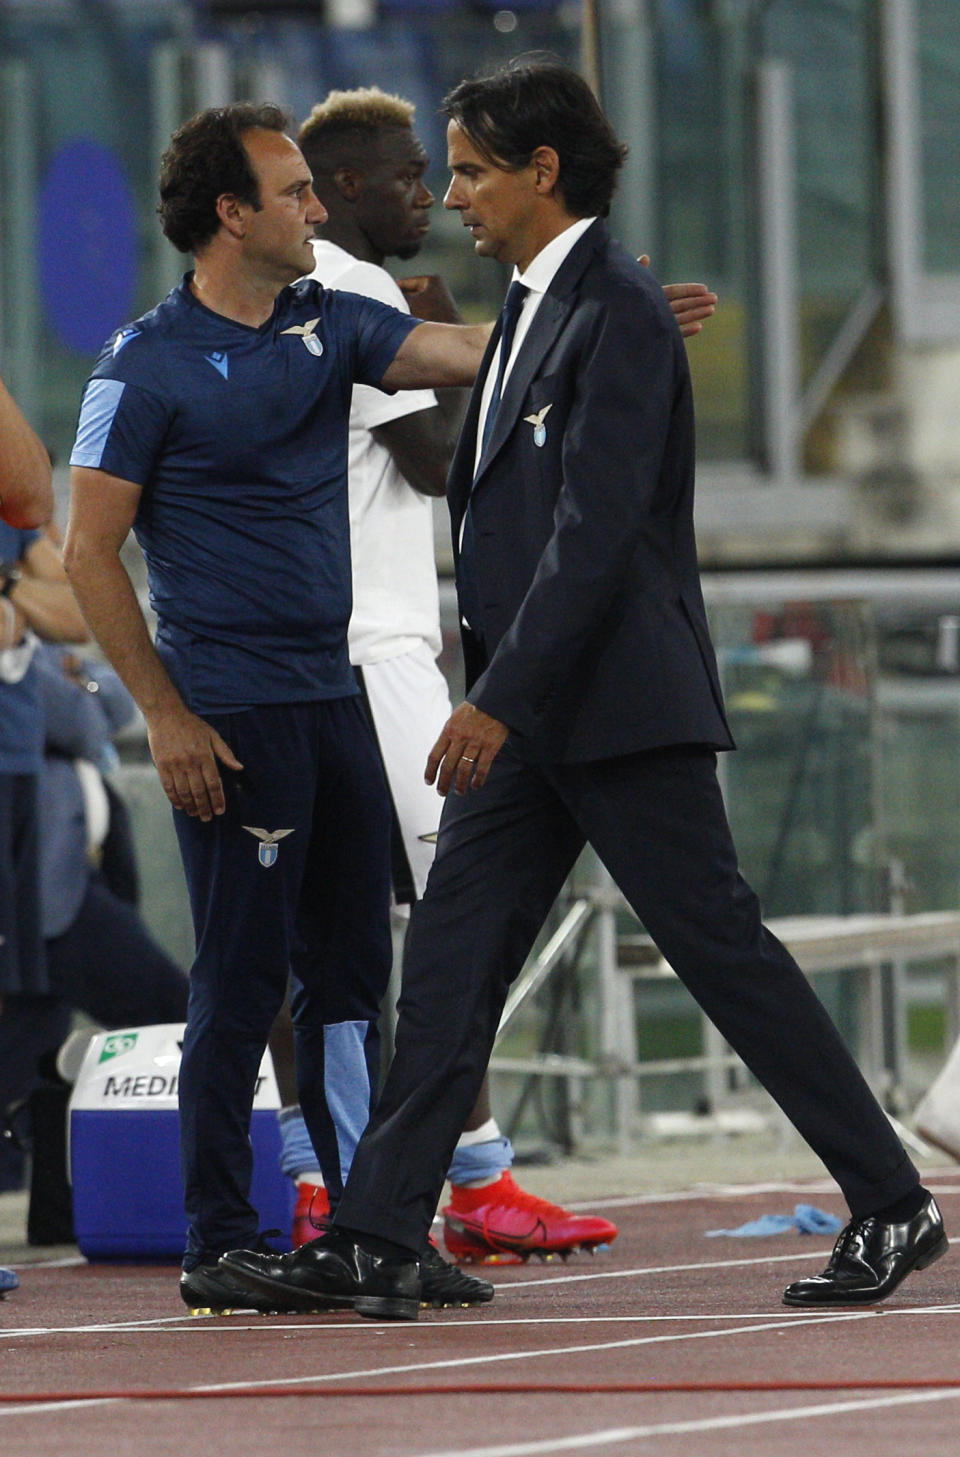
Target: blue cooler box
<point>125,1151</point>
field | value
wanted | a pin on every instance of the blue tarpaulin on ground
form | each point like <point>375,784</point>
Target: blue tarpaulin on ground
<point>805,1219</point>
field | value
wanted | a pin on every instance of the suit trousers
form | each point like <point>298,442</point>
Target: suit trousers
<point>657,821</point>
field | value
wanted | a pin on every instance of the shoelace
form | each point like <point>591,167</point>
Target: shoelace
<point>854,1232</point>
<point>261,1245</point>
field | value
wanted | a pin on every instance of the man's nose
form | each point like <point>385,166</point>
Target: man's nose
<point>425,197</point>
<point>316,212</point>
<point>450,198</point>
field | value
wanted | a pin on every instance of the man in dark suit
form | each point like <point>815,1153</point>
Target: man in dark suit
<point>593,714</point>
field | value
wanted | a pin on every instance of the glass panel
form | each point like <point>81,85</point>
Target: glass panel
<point>674,75</point>
<point>799,794</point>
<point>939,59</point>
<point>700,201</point>
<point>828,44</point>
<point>94,225</point>
<point>919,741</point>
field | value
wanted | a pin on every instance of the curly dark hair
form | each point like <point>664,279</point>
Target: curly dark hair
<point>206,158</point>
<point>536,101</point>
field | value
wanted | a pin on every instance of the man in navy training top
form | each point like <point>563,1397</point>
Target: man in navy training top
<point>216,427</point>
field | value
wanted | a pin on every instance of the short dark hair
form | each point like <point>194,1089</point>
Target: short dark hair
<point>206,158</point>
<point>538,102</point>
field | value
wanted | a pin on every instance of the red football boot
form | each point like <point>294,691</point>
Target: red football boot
<point>502,1223</point>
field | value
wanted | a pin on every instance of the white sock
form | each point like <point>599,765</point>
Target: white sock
<point>486,1133</point>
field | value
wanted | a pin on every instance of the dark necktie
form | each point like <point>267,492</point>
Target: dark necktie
<point>469,597</point>
<point>509,314</point>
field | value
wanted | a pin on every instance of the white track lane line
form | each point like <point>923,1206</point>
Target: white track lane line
<point>617,1201</point>
<point>208,1325</point>
<point>739,1191</point>
<point>584,1348</point>
<point>66,1263</point>
<point>101,1327</point>
<point>614,1436</point>
<point>517,1321</point>
<point>564,1279</point>
<point>45,1406</point>
<point>491,1359</point>
<point>503,1291</point>
<point>460,1362</point>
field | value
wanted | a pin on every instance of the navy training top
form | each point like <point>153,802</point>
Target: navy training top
<point>238,438</point>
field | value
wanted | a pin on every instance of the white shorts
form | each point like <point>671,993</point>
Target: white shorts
<point>410,703</point>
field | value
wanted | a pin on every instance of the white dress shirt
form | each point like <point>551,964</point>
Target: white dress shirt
<point>537,279</point>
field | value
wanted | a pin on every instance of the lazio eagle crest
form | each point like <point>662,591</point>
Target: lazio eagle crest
<point>539,428</point>
<point>268,852</point>
<point>308,337</point>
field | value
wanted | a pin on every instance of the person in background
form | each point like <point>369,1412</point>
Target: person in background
<point>368,169</point>
<point>26,501</point>
<point>21,947</point>
<point>26,487</point>
<point>35,602</point>
<point>100,958</point>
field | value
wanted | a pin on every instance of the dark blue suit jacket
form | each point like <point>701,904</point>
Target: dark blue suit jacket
<point>595,639</point>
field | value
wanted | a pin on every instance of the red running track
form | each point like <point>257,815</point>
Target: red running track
<point>670,1343</point>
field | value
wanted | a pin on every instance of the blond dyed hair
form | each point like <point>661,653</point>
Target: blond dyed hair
<point>363,111</point>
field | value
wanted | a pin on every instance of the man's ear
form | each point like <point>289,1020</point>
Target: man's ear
<point>349,182</point>
<point>232,213</point>
<point>546,165</point>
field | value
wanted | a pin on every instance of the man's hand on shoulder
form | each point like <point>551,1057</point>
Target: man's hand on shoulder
<point>429,298</point>
<point>185,750</point>
<point>468,744</point>
<point>692,303</point>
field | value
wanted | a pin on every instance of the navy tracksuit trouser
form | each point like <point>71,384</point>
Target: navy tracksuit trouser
<point>294,878</point>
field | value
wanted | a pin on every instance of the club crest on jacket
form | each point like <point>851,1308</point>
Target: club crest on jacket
<point>539,428</point>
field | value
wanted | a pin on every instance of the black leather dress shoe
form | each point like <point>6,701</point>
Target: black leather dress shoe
<point>870,1258</point>
<point>330,1273</point>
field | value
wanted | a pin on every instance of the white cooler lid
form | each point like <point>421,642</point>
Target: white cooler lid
<point>139,1067</point>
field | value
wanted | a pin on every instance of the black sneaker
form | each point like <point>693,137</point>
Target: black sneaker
<point>207,1289</point>
<point>444,1284</point>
